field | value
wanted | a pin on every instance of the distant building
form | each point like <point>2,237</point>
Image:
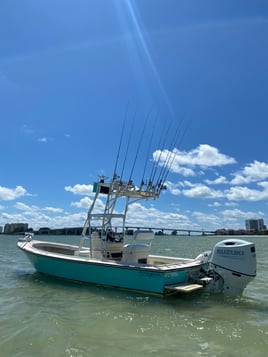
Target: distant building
<point>255,225</point>
<point>11,228</point>
<point>1,229</point>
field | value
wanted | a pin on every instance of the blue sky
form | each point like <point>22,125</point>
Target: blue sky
<point>71,70</point>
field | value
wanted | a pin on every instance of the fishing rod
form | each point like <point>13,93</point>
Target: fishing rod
<point>165,166</point>
<point>128,144</point>
<point>156,162</point>
<point>178,137</point>
<point>181,139</point>
<point>147,156</point>
<point>138,149</point>
<point>120,144</point>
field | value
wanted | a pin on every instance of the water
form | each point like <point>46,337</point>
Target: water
<point>42,316</point>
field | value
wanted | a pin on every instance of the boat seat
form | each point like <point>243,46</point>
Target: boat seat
<point>138,250</point>
<point>142,235</point>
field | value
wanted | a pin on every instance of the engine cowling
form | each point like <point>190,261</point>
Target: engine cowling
<point>233,264</point>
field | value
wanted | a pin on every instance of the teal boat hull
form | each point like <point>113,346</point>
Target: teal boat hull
<point>135,277</point>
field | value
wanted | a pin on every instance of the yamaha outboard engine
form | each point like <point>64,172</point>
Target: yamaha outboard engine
<point>232,265</point>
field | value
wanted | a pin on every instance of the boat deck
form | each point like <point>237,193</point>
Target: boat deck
<point>152,262</point>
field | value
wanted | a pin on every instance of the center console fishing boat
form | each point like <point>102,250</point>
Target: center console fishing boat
<point>105,257</point>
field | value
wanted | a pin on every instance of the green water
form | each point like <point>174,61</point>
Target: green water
<point>42,316</point>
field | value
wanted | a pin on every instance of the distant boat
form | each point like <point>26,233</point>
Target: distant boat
<point>104,258</point>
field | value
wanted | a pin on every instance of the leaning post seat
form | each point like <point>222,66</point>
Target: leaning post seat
<point>137,252</point>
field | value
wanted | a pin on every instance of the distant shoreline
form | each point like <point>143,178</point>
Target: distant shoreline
<point>53,232</point>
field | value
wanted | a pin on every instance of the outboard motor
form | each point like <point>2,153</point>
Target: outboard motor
<point>232,265</point>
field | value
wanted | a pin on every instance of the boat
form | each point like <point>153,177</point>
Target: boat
<point>105,256</point>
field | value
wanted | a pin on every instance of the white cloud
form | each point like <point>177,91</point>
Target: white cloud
<point>173,188</point>
<point>214,204</point>
<point>37,218</point>
<point>202,191</point>
<point>207,219</point>
<point>80,189</point>
<point>13,217</point>
<point>186,183</point>
<point>240,193</point>
<point>85,202</point>
<point>184,171</point>
<point>204,156</point>
<point>219,180</point>
<point>196,190</point>
<point>256,171</point>
<point>236,213</point>
<point>45,139</point>
<point>236,193</point>
<point>42,140</point>
<point>58,221</point>
<point>9,194</point>
<point>23,207</point>
<point>139,215</point>
<point>208,156</point>
<point>53,209</point>
<point>175,191</point>
<point>230,204</point>
<point>30,209</point>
